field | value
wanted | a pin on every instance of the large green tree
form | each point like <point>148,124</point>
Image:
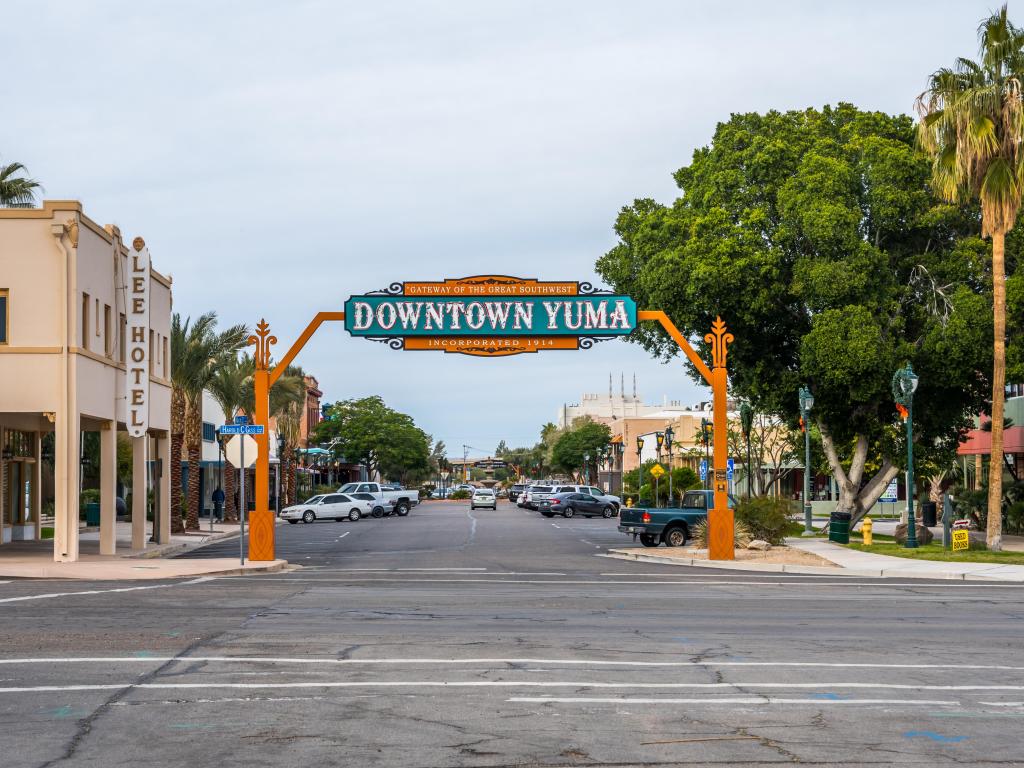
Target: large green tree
<point>972,124</point>
<point>366,431</point>
<point>814,234</point>
<point>585,438</point>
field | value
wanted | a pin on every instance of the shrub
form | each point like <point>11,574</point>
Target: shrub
<point>458,495</point>
<point>765,518</point>
<point>741,534</point>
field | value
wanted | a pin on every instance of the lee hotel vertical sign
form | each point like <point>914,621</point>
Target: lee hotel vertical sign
<point>137,389</point>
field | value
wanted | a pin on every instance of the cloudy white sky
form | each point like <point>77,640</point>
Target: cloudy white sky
<point>278,157</point>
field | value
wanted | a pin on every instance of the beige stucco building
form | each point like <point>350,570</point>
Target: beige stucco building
<point>65,288</point>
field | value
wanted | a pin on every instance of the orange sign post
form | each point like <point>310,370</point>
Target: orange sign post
<point>720,518</point>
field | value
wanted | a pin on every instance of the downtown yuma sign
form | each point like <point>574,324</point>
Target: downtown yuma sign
<point>490,315</point>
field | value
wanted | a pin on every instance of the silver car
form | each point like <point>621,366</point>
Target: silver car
<point>484,497</point>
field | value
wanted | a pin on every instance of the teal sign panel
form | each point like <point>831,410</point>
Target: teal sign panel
<point>392,316</point>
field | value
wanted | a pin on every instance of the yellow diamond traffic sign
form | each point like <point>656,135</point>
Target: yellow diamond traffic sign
<point>657,470</point>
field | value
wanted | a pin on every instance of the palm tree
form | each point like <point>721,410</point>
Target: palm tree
<point>229,382</point>
<point>972,124</point>
<point>287,408</point>
<point>17,191</point>
<point>197,350</point>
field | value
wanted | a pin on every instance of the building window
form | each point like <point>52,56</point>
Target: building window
<point>3,315</point>
<point>85,320</point>
<point>121,338</point>
<point>108,338</point>
<point>209,432</point>
<point>165,363</point>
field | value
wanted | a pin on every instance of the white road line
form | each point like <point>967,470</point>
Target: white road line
<point>50,595</point>
<point>346,533</point>
<point>728,700</point>
<point>500,660</point>
<point>405,684</point>
<point>592,582</point>
<point>556,525</point>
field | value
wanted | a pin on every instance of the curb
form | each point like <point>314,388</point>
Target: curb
<point>257,569</point>
<point>814,570</point>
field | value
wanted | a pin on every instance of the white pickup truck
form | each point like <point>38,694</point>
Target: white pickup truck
<point>392,498</point>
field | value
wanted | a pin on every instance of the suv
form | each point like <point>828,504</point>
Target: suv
<point>515,490</point>
<point>483,497</point>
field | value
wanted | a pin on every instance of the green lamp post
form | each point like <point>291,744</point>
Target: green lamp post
<point>904,384</point>
<point>706,428</point>
<point>806,403</point>
<point>659,438</point>
<point>669,435</point>
<point>639,465</point>
<point>747,423</point>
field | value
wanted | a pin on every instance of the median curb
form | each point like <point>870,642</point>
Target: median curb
<point>816,570</point>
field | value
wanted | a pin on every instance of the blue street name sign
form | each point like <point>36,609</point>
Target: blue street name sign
<point>241,419</point>
<point>703,469</point>
<point>242,429</point>
<point>730,467</point>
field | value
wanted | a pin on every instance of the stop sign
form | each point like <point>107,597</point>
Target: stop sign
<point>233,450</point>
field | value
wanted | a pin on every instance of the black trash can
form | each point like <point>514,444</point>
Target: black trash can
<point>839,527</point>
<point>929,513</point>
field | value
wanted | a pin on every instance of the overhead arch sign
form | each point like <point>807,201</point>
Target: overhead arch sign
<point>490,315</point>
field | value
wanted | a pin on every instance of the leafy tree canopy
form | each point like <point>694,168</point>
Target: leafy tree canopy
<point>585,437</point>
<point>815,236</point>
<point>366,431</point>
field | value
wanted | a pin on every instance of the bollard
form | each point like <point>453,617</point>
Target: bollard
<point>865,529</point>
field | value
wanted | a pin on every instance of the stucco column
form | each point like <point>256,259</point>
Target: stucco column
<point>139,492</point>
<point>108,488</point>
<point>163,453</point>
<point>37,483</point>
<point>66,450</point>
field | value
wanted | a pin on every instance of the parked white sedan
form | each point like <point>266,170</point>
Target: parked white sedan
<point>330,506</point>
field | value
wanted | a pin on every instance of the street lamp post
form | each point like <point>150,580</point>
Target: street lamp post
<point>639,465</point>
<point>586,473</point>
<point>669,434</point>
<point>280,460</point>
<point>904,384</point>
<point>747,423</point>
<point>659,438</point>
<point>706,426</point>
<point>806,403</point>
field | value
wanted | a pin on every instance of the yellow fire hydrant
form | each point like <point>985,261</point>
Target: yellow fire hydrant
<point>865,529</point>
<point>629,502</point>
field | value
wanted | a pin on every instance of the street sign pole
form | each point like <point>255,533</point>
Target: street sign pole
<point>241,530</point>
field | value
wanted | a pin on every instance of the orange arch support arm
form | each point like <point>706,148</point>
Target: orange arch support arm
<point>293,351</point>
<point>660,317</point>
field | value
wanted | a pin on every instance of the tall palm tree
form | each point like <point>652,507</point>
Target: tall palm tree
<point>287,408</point>
<point>972,124</point>
<point>228,385</point>
<point>17,191</point>
<point>197,351</point>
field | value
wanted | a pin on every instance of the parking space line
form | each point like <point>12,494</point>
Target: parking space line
<point>729,700</point>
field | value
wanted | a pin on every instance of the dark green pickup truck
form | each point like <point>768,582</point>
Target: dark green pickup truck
<point>672,526</point>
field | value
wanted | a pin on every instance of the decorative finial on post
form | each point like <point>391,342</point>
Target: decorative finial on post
<point>262,339</point>
<point>719,339</point>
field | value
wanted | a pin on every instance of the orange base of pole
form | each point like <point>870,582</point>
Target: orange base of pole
<point>720,535</point>
<point>261,535</point>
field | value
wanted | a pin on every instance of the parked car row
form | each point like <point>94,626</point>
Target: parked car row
<point>568,500</point>
<point>353,501</point>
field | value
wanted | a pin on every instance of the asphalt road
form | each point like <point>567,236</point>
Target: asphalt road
<point>451,638</point>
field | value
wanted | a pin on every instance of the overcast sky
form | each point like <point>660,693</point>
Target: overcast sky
<point>278,157</point>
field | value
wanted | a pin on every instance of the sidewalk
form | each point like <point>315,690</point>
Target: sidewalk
<point>34,559</point>
<point>858,563</point>
<point>846,562</point>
